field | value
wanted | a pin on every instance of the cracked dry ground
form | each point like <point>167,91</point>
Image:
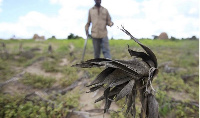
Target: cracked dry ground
<point>88,109</point>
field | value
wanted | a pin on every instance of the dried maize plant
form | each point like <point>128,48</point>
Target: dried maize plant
<point>125,78</point>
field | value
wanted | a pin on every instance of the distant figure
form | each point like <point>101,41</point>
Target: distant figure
<point>20,48</point>
<point>50,49</point>
<point>4,52</point>
<point>4,47</point>
<point>99,17</point>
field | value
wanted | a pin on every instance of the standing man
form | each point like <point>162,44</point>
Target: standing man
<point>99,17</point>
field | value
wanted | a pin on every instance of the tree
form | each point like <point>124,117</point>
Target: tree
<point>193,38</point>
<point>173,38</point>
<point>72,36</point>
<point>155,37</point>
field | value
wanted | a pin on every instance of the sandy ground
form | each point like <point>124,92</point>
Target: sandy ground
<point>88,109</point>
<point>87,104</point>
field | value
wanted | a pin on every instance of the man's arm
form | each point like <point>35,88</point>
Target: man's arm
<point>88,24</point>
<point>109,22</point>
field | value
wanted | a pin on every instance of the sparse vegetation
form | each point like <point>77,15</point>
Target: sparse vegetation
<point>49,66</point>
<point>19,106</point>
<point>182,55</point>
<point>37,81</point>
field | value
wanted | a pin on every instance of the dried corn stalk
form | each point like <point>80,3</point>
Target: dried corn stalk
<point>123,78</point>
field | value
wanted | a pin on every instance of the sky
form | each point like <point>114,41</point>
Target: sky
<point>59,18</point>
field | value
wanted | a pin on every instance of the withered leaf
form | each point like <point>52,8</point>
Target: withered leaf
<point>113,92</point>
<point>120,81</point>
<point>102,76</point>
<point>152,110</point>
<point>149,52</point>
<point>126,90</point>
<point>121,77</point>
<point>95,88</point>
<point>106,94</point>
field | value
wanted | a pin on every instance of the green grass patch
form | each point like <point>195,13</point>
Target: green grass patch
<point>50,66</point>
<point>17,107</point>
<point>37,81</point>
<point>183,54</point>
<point>70,76</point>
<point>6,71</point>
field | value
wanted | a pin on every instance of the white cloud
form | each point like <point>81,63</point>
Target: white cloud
<point>71,18</point>
<point>26,26</point>
<point>172,16</point>
<point>142,19</point>
<point>122,8</point>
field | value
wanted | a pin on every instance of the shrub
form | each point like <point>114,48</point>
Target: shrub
<point>49,66</point>
<point>37,81</point>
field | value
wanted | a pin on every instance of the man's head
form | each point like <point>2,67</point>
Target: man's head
<point>97,3</point>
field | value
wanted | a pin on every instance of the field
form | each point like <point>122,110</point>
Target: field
<point>37,80</point>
